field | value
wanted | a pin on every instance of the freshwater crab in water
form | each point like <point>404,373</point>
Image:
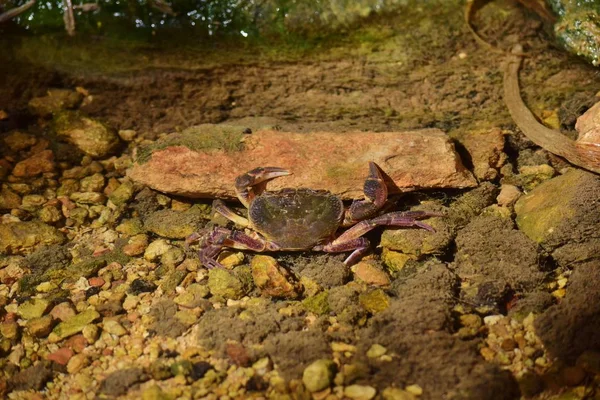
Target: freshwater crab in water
<point>302,219</point>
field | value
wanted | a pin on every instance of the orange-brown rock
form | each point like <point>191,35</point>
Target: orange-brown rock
<point>337,162</point>
<point>36,164</point>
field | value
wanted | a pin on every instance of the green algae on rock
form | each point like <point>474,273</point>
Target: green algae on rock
<point>564,224</point>
<point>88,135</point>
<point>199,138</point>
<point>16,236</point>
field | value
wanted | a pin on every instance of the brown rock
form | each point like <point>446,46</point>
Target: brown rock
<point>35,165</point>
<point>9,199</point>
<point>272,279</point>
<point>18,140</point>
<point>370,273</point>
<point>486,148</point>
<point>61,356</point>
<point>63,311</point>
<point>321,160</point>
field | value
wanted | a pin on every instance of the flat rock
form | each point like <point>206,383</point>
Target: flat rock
<point>320,160</point>
<point>567,225</point>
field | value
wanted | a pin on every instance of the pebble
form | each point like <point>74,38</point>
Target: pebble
<point>376,350</point>
<point>90,333</point>
<point>509,194</point>
<point>360,392</point>
<point>122,194</point>
<point>156,249</point>
<point>392,393</point>
<point>224,283</point>
<point>414,389</point>
<point>40,327</point>
<point>33,308</point>
<point>77,363</point>
<point>370,273</point>
<point>61,356</point>
<point>63,311</point>
<point>73,325</point>
<point>137,245</point>
<point>93,183</point>
<point>35,165</point>
<point>272,279</point>
<point>318,375</point>
<point>88,197</point>
<point>114,327</point>
<point>374,301</point>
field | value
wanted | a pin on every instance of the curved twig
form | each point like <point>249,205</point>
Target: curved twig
<point>583,155</point>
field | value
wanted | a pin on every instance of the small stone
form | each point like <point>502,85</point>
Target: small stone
<point>33,308</point>
<point>230,259</point>
<point>9,199</point>
<point>88,198</point>
<point>131,302</point>
<point>77,363</point>
<point>154,392</point>
<point>532,175</point>
<point>17,140</point>
<point>90,333</point>
<point>114,327</point>
<point>61,356</point>
<point>272,279</point>
<point>509,194</point>
<point>172,257</point>
<point>73,325</point>
<point>193,296</point>
<point>122,194</point>
<point>63,311</point>
<point>50,215</point>
<point>414,389</point>
<point>370,273</point>
<point>55,101</point>
<point>93,183</point>
<point>156,249</point>
<point>130,227</point>
<point>392,393</point>
<point>40,327</point>
<point>127,134</point>
<point>318,375</point>
<point>32,202</point>
<point>374,301</point>
<point>376,351</point>
<point>90,136</point>
<point>136,245</point>
<point>96,281</point>
<point>9,330</point>
<point>225,283</point>
<point>318,304</point>
<point>35,165</point>
<point>142,286</point>
<point>360,392</point>
<point>46,287</point>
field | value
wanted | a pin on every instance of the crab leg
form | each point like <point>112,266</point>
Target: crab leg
<point>225,211</point>
<point>360,246</point>
<point>375,192</point>
<point>253,183</point>
<point>222,237</point>
<point>350,239</point>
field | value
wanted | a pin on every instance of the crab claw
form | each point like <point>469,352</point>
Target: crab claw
<point>252,183</point>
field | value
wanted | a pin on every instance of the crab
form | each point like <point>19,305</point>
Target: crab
<point>302,219</point>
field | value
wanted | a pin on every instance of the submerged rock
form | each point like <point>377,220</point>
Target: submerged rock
<point>192,166</point>
<point>567,224</point>
<point>272,279</point>
<point>88,135</point>
<point>16,236</point>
